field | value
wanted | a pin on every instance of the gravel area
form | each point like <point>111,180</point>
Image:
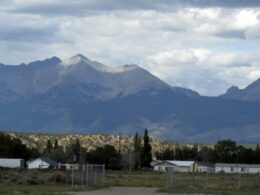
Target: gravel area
<point>124,191</point>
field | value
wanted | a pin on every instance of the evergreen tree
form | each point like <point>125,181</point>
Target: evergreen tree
<point>107,155</point>
<point>48,149</point>
<point>178,153</point>
<point>56,144</point>
<point>147,151</point>
<point>137,150</point>
<point>14,148</point>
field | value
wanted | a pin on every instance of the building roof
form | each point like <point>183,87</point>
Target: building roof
<point>231,165</point>
<point>255,166</point>
<point>47,160</point>
<point>155,162</point>
<point>181,163</point>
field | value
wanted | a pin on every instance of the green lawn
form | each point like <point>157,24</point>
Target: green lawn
<point>35,189</point>
<point>188,183</point>
<point>226,184</point>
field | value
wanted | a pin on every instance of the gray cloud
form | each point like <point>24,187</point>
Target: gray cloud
<point>239,34</point>
<point>25,34</point>
<point>89,7</point>
<point>203,45</point>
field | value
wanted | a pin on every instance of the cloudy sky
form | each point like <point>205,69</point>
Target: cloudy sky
<point>205,45</point>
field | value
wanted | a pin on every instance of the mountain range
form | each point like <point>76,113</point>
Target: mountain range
<point>78,95</point>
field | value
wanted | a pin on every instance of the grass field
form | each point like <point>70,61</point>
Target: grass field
<point>43,182</point>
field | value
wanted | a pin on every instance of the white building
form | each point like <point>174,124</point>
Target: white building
<point>177,165</point>
<point>204,167</point>
<point>254,168</point>
<point>42,163</point>
<point>232,168</point>
<point>11,163</point>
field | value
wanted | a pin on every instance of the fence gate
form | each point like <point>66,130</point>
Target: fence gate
<point>170,179</point>
<point>95,175</point>
<point>88,175</point>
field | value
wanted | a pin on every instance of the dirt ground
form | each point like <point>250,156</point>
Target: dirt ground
<point>124,191</point>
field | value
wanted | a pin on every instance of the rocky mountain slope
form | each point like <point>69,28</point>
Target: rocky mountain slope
<point>78,95</point>
<point>250,93</point>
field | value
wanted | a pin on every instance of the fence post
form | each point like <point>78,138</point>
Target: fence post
<point>103,170</point>
<point>239,181</point>
<point>169,177</point>
<point>207,182</point>
<point>72,180</point>
<point>87,176</point>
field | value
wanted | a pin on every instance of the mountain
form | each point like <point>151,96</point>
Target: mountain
<point>78,95</point>
<point>250,93</point>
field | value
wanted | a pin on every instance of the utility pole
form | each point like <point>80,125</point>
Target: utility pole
<point>130,165</point>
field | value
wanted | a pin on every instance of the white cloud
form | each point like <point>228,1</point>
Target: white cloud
<point>205,48</point>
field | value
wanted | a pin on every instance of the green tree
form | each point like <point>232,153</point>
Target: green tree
<point>178,153</point>
<point>226,151</point>
<point>48,149</point>
<point>56,144</point>
<point>137,150</point>
<point>167,154</point>
<point>14,148</point>
<point>147,151</point>
<point>244,155</point>
<point>75,153</point>
<point>107,155</point>
<point>256,155</point>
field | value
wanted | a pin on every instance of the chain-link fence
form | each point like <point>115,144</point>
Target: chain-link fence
<point>169,178</point>
<point>210,181</point>
<point>87,175</point>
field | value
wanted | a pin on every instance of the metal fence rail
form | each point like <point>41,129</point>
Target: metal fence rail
<point>87,175</point>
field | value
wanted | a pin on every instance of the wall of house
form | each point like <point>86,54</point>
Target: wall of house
<point>232,169</point>
<point>204,169</point>
<point>11,163</point>
<point>224,169</point>
<point>163,167</point>
<point>182,169</point>
<point>254,170</point>
<point>38,164</point>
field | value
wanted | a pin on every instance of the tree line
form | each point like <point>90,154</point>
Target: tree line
<point>138,156</point>
<point>224,151</point>
<point>75,153</point>
<point>107,154</point>
<point>14,148</point>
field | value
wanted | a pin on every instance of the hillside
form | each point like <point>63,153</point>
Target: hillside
<point>249,93</point>
<point>86,97</point>
<point>90,141</point>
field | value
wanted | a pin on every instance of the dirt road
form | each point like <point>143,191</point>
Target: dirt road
<point>124,191</point>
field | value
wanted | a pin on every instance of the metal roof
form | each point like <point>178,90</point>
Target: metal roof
<point>47,160</point>
<point>181,163</point>
<point>231,165</point>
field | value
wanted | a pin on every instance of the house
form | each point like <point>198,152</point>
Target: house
<point>72,166</point>
<point>11,163</point>
<point>178,166</point>
<point>204,167</point>
<point>232,168</point>
<point>42,163</point>
<point>154,162</point>
<point>254,168</point>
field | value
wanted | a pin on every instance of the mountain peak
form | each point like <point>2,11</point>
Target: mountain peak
<point>80,56</point>
<point>233,89</point>
<point>75,60</point>
<point>81,59</point>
